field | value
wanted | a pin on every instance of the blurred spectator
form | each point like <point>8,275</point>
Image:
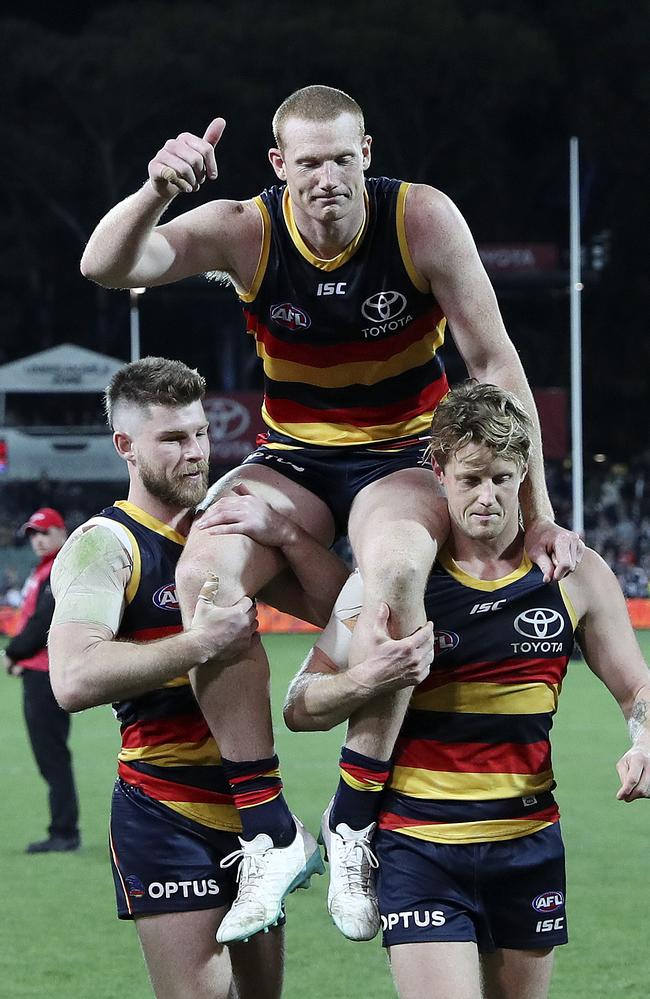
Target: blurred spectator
<point>10,593</point>
<point>633,578</point>
<point>48,726</point>
<point>616,515</point>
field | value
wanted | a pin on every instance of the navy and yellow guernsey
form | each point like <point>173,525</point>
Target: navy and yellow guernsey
<point>167,748</point>
<point>349,345</point>
<point>473,760</point>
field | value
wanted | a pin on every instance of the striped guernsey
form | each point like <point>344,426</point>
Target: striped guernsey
<point>473,760</point>
<point>167,748</point>
<point>349,345</point>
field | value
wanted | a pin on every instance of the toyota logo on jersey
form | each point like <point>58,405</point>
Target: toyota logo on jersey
<point>539,622</point>
<point>383,305</point>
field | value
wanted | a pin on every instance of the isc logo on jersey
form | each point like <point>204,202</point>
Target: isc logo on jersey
<point>165,598</point>
<point>290,316</point>
<point>331,288</point>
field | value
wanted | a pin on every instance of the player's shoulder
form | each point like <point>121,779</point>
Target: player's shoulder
<point>99,539</point>
<point>591,585</point>
<point>223,216</point>
<point>235,229</point>
<point>224,219</point>
<point>429,213</point>
<point>431,200</point>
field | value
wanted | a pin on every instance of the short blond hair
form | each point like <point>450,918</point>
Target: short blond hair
<point>316,103</point>
<point>481,414</point>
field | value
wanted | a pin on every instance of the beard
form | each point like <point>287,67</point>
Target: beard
<point>175,490</point>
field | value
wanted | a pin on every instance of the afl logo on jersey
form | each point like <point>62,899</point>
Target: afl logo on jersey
<point>383,306</point>
<point>539,622</point>
<point>165,598</point>
<point>548,901</point>
<point>444,641</point>
<point>290,316</point>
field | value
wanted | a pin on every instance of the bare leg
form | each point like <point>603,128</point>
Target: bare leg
<point>185,962</point>
<point>277,852</point>
<point>396,526</point>
<point>235,698</point>
<point>182,957</point>
<point>436,971</point>
<point>517,974</point>
<point>258,966</point>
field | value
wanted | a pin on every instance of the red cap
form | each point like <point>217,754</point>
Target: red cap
<point>43,519</point>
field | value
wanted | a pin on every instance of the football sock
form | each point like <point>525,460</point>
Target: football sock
<point>256,788</point>
<point>362,780</point>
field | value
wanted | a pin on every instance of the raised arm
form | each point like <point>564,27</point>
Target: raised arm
<point>325,692</point>
<point>88,666</point>
<point>129,249</point>
<point>445,254</point>
<point>613,654</point>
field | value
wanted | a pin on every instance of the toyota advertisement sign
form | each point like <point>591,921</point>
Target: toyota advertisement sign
<point>235,421</point>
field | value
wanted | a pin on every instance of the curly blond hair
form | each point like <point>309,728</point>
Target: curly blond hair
<point>481,414</point>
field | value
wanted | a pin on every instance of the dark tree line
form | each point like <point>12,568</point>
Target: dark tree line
<point>478,98</point>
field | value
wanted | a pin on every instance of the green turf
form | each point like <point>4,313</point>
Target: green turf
<point>61,939</point>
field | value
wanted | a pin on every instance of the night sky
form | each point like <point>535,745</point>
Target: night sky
<point>479,99</point>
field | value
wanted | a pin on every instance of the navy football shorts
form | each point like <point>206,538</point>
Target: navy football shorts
<point>503,894</point>
<point>163,862</point>
<point>337,474</point>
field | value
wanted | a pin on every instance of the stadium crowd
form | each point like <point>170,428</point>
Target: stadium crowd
<point>617,519</point>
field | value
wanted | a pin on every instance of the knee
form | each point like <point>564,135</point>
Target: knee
<point>399,538</point>
<point>201,558</point>
<point>241,565</point>
<point>403,578</point>
<point>399,559</point>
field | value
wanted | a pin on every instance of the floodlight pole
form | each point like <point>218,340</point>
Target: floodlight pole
<point>134,298</point>
<point>576,338</point>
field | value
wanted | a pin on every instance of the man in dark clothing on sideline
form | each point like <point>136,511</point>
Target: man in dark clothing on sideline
<point>26,656</point>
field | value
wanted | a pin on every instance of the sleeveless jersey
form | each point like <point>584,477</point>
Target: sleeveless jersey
<point>473,759</point>
<point>349,345</point>
<point>167,748</point>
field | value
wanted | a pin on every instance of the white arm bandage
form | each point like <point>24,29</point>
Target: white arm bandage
<point>337,636</point>
<point>90,575</point>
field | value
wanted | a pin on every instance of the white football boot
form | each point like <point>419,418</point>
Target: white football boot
<point>351,898</point>
<point>266,875</point>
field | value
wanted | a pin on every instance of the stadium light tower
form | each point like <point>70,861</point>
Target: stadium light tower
<point>576,338</point>
<point>134,298</point>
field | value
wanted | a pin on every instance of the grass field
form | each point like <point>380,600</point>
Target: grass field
<point>61,939</point>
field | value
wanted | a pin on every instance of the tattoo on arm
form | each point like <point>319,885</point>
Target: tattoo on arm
<point>638,719</point>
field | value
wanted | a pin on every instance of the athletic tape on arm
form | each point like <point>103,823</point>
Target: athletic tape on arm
<point>90,575</point>
<point>337,636</point>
